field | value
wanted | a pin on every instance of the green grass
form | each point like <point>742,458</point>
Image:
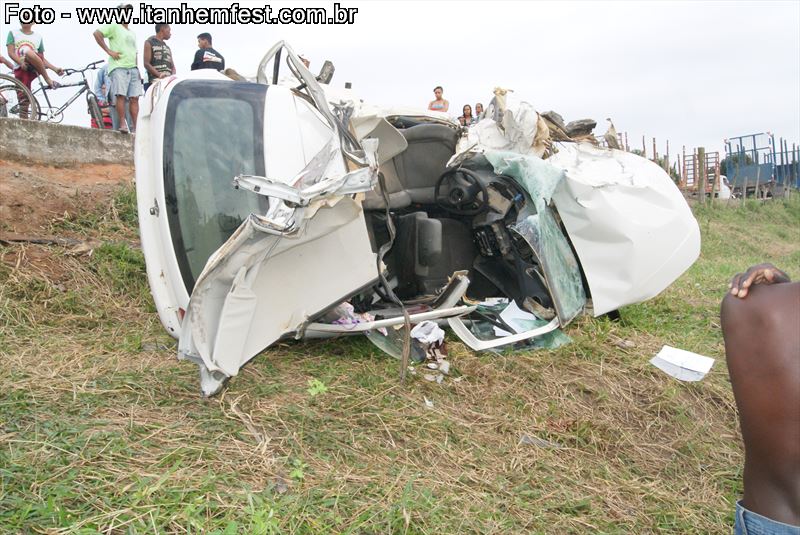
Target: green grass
<point>103,430</point>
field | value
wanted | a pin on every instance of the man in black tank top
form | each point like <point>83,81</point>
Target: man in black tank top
<point>158,56</point>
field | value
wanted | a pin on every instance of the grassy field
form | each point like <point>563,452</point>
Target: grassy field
<point>103,430</point>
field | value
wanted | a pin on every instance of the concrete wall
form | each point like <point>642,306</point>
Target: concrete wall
<point>45,143</point>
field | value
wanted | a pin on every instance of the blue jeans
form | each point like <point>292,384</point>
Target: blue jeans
<point>750,523</point>
<point>112,111</point>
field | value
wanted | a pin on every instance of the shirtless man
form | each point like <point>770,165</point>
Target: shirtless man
<point>761,326</point>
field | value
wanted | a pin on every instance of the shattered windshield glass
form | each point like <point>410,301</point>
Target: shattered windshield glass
<point>541,230</point>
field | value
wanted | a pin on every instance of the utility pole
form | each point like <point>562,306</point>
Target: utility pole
<point>655,151</point>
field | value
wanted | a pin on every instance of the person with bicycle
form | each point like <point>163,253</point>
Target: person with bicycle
<point>126,84</point>
<point>26,49</point>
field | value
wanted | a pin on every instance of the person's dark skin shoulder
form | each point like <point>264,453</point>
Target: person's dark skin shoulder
<point>761,326</point>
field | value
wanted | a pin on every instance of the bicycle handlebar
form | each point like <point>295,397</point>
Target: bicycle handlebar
<point>92,65</point>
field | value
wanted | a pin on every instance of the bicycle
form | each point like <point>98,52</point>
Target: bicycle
<point>18,101</point>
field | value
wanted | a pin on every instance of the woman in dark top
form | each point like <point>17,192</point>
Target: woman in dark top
<point>466,118</point>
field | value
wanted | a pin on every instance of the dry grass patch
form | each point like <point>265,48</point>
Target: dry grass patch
<point>104,430</point>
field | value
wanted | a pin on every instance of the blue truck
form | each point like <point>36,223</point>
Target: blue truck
<point>757,165</point>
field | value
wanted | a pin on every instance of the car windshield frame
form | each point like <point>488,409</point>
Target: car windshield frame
<point>250,94</point>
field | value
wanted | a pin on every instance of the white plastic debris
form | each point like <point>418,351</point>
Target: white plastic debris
<point>681,364</point>
<point>513,315</point>
<point>428,333</point>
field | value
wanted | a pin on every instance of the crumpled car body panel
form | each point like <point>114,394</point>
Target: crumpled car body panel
<point>629,223</point>
<point>261,286</point>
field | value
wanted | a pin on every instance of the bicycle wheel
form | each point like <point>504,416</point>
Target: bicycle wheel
<point>16,100</point>
<point>50,116</point>
<point>94,110</point>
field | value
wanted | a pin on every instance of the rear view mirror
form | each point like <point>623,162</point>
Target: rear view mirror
<point>326,72</point>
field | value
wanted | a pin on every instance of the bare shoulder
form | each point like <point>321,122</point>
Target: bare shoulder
<point>763,302</point>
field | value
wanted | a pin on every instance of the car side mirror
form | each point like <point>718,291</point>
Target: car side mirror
<point>326,73</point>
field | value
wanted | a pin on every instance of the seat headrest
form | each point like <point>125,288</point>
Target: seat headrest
<point>431,132</point>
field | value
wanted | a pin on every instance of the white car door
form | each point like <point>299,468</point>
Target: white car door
<point>248,225</point>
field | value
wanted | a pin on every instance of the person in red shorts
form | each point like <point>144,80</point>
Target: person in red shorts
<point>26,49</point>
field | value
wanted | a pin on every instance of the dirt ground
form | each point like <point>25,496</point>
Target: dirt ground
<point>33,197</point>
<point>37,200</point>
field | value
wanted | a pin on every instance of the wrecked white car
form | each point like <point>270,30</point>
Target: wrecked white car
<point>275,209</point>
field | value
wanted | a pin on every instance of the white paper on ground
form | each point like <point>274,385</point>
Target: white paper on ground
<point>681,364</point>
<point>510,315</point>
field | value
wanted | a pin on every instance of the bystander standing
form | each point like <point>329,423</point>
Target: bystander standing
<point>158,56</point>
<point>126,84</point>
<point>206,57</point>
<point>439,104</point>
<point>108,104</point>
<point>466,118</point>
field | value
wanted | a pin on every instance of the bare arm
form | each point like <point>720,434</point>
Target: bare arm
<point>446,105</point>
<point>148,56</point>
<point>7,63</point>
<point>761,349</point>
<point>102,42</point>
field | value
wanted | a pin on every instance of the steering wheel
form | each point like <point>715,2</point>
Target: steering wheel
<point>464,193</point>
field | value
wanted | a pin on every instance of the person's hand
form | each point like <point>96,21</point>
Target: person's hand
<point>114,54</point>
<point>59,71</point>
<point>759,274</point>
<point>163,74</point>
